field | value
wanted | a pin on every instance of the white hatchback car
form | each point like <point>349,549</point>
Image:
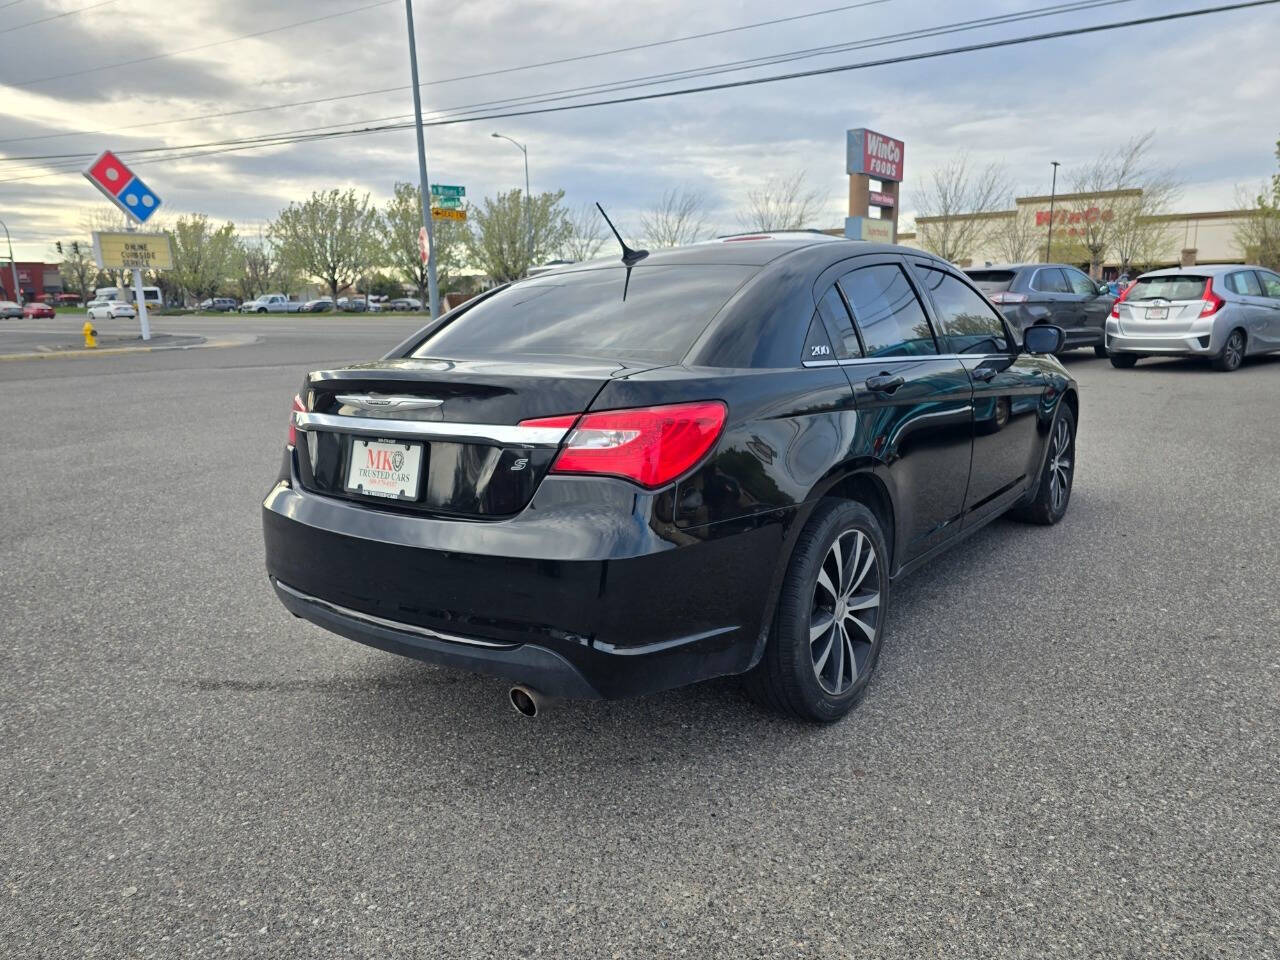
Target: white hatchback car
<point>111,310</point>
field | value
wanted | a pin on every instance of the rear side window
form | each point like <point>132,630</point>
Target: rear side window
<point>1172,287</point>
<point>839,325</point>
<point>1050,281</point>
<point>991,281</point>
<point>1244,283</point>
<point>965,319</point>
<point>887,312</point>
<point>651,316</point>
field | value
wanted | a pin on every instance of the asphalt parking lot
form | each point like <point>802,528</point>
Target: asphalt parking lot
<point>1071,747</point>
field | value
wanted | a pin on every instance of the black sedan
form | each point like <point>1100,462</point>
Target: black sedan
<point>614,479</point>
<point>1056,293</point>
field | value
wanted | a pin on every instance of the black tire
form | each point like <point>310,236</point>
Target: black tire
<point>262,310</point>
<point>1123,361</point>
<point>1052,496</point>
<point>789,677</point>
<point>1232,355</point>
<point>1099,350</point>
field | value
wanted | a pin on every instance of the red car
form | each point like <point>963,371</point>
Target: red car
<point>40,311</point>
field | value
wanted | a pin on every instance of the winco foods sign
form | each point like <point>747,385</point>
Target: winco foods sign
<point>874,155</point>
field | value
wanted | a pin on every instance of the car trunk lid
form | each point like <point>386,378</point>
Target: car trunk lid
<point>445,434</point>
<point>1162,305</point>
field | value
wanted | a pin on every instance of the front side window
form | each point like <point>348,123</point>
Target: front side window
<point>644,314</point>
<point>1270,283</point>
<point>967,321</point>
<point>1081,284</point>
<point>888,312</point>
<point>1050,280</point>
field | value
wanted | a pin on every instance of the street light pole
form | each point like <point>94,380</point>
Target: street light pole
<point>424,185</point>
<point>1053,195</point>
<point>13,266</point>
<point>528,200</point>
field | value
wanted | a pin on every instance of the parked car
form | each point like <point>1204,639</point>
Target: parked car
<point>617,479</point>
<point>405,303</point>
<point>271,303</point>
<point>38,311</point>
<point>320,305</point>
<point>218,305</point>
<point>1056,293</point>
<point>358,305</point>
<point>111,310</point>
<point>10,310</point>
<point>68,299</point>
<point>1223,313</point>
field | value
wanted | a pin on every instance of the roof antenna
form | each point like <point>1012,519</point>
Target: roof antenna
<point>629,256</point>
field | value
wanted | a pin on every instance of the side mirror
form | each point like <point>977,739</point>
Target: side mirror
<point>1104,289</point>
<point>1043,338</point>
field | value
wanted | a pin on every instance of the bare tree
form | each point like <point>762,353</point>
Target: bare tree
<point>1257,231</point>
<point>955,209</point>
<point>586,234</point>
<point>1015,237</point>
<point>782,203</point>
<point>1113,201</point>
<point>679,217</point>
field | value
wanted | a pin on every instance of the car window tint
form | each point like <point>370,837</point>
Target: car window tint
<point>1081,284</point>
<point>965,319</point>
<point>887,312</point>
<point>1168,287</point>
<point>648,314</point>
<point>839,325</point>
<point>1244,282</point>
<point>991,281</point>
<point>1270,283</point>
<point>1050,280</point>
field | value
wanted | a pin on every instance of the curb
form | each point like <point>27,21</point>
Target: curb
<point>241,340</point>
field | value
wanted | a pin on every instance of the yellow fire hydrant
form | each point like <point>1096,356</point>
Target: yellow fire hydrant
<point>90,335</point>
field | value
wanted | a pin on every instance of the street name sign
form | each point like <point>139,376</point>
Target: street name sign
<point>122,187</point>
<point>132,251</point>
<point>447,190</point>
<point>447,203</point>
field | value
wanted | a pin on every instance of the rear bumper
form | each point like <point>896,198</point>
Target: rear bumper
<point>569,600</point>
<point>1201,339</point>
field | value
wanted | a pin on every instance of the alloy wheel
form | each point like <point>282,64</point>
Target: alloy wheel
<point>1234,350</point>
<point>1060,462</point>
<point>845,615</point>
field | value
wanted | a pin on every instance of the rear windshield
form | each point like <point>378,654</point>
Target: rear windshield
<point>991,281</point>
<point>653,316</point>
<point>1179,287</point>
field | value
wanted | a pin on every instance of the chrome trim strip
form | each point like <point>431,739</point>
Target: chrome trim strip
<point>372,401</point>
<point>500,434</point>
<point>390,624</point>
<point>857,361</point>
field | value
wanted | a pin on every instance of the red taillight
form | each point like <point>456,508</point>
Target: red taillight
<point>649,445</point>
<point>1004,296</point>
<point>1115,307</point>
<point>293,427</point>
<point>1212,302</point>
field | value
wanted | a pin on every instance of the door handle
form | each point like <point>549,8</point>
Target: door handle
<point>984,374</point>
<point>885,383</point>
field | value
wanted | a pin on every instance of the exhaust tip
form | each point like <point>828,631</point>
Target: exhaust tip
<point>524,701</point>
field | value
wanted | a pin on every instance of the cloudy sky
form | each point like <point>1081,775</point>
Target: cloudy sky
<point>1207,86</point>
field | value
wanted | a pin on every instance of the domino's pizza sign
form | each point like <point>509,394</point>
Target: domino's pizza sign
<point>122,187</point>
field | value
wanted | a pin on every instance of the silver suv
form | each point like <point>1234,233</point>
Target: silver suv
<point>1224,313</point>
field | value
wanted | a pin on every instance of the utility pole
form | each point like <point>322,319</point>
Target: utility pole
<point>424,185</point>
<point>13,266</point>
<point>528,200</point>
<point>1053,195</point>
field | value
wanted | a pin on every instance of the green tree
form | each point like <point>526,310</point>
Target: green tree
<point>400,222</point>
<point>205,257</point>
<point>1258,233</point>
<point>332,237</point>
<point>499,230</point>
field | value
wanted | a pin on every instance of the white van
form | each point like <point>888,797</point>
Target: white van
<point>150,295</point>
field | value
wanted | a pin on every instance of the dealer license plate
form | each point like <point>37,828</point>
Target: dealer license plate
<point>384,468</point>
<point>1157,313</point>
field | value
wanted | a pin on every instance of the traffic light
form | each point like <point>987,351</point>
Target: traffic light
<point>75,247</point>
<point>58,244</point>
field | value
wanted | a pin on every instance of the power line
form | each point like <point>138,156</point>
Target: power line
<point>1073,6</point>
<point>755,81</point>
<point>56,16</point>
<point>469,76</point>
<point>202,46</point>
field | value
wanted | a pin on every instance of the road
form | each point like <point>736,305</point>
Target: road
<point>1069,750</point>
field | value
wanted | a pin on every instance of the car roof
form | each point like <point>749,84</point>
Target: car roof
<point>1202,270</point>
<point>1016,266</point>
